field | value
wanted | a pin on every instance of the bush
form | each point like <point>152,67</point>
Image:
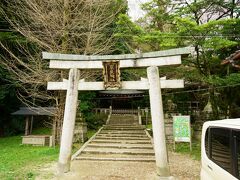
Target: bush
<point>94,121</point>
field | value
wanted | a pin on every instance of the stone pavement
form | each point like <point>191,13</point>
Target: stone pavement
<point>110,170</point>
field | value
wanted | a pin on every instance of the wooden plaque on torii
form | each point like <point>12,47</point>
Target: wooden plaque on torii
<point>111,74</point>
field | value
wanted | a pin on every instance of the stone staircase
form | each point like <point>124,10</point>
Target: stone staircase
<point>121,140</point>
<point>125,119</point>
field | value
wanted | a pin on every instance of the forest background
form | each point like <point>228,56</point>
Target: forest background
<point>28,27</point>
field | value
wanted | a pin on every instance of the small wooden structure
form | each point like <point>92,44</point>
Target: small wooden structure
<point>29,112</point>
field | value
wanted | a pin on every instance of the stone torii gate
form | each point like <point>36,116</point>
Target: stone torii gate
<point>111,65</point>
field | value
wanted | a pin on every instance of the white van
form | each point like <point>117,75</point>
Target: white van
<point>220,150</point>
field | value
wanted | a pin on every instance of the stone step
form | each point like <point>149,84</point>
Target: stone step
<point>123,125</point>
<point>121,135</point>
<point>120,146</point>
<point>104,155</point>
<point>89,150</point>
<point>120,123</point>
<point>122,138</point>
<point>123,128</point>
<point>122,115</point>
<point>129,141</point>
<point>141,132</point>
<point>119,155</point>
<point>123,121</point>
<point>123,118</point>
<point>135,159</point>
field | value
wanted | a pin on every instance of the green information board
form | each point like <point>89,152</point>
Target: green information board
<point>181,128</point>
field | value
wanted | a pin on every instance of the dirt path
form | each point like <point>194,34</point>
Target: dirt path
<point>182,167</point>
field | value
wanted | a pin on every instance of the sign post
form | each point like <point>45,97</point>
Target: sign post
<point>181,130</point>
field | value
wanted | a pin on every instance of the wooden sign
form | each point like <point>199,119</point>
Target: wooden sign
<point>111,73</point>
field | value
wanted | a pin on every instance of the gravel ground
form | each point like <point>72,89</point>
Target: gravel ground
<point>182,167</point>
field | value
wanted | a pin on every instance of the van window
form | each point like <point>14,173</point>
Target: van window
<point>238,154</point>
<point>222,146</point>
<point>236,138</point>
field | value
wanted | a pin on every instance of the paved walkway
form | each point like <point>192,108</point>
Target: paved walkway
<point>182,167</point>
<point>110,170</point>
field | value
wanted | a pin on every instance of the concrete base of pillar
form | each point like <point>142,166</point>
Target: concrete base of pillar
<point>164,178</point>
<point>63,168</point>
<point>163,172</point>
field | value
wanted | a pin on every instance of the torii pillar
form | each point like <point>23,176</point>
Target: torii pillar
<point>68,122</point>
<point>158,122</point>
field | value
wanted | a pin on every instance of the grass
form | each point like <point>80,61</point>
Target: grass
<point>149,126</point>
<point>185,149</point>
<point>90,133</point>
<point>22,162</point>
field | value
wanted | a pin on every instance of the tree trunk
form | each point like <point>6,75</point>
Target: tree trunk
<point>62,94</point>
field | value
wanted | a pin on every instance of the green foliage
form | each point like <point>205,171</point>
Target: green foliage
<point>126,34</point>
<point>205,25</point>
<point>134,37</point>
<point>158,12</point>
<point>158,40</point>
<point>42,131</point>
<point>9,125</point>
<point>210,36</point>
<point>95,121</point>
<point>231,80</point>
<point>90,133</point>
<point>219,43</point>
<point>87,103</point>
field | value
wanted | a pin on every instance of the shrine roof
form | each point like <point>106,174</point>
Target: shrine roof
<point>232,59</point>
<point>35,111</point>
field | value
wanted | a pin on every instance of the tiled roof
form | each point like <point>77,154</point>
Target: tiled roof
<point>36,111</point>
